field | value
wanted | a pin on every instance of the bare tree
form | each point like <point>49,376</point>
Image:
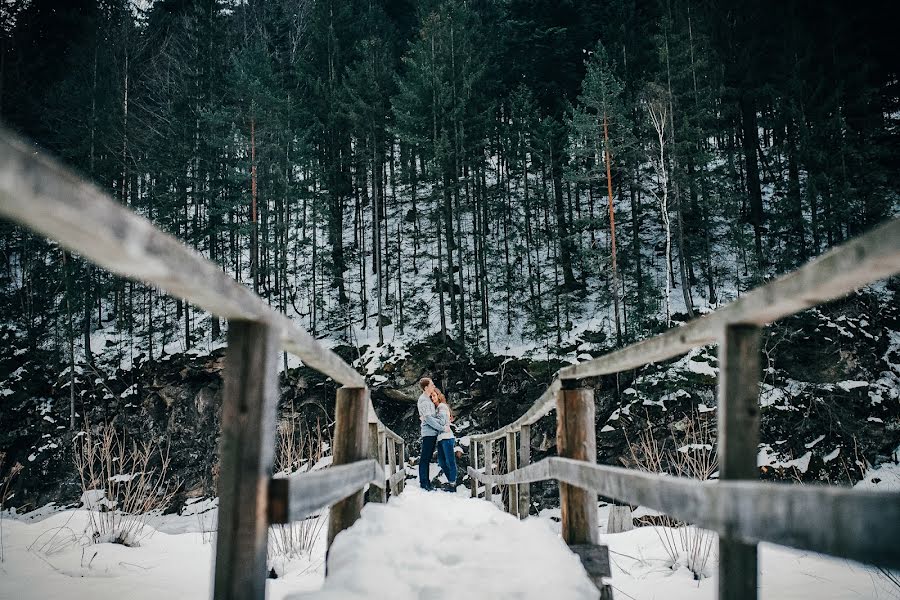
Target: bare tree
<point>657,106</point>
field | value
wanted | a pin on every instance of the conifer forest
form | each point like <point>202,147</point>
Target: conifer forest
<point>495,171</point>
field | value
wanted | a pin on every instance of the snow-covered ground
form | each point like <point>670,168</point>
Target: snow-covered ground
<point>419,545</point>
<point>48,556</point>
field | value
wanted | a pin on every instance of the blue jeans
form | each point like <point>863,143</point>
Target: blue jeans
<point>447,459</point>
<point>428,443</point>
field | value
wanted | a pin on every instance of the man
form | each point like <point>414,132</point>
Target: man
<point>432,426</point>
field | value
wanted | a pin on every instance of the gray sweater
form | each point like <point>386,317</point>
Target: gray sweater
<point>433,424</point>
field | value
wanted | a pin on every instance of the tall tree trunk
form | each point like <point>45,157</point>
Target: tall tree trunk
<point>754,191</point>
<point>254,229</point>
<point>565,243</point>
<point>612,233</point>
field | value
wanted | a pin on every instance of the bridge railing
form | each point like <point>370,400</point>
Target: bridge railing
<point>855,524</point>
<point>39,193</point>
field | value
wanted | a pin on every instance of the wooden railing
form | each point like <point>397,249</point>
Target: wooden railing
<point>855,524</point>
<point>44,196</point>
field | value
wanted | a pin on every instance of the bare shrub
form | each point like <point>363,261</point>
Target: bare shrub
<point>5,482</point>
<point>298,451</point>
<point>122,484</point>
<point>693,455</point>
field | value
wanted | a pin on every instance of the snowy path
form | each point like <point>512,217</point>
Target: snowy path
<point>442,546</point>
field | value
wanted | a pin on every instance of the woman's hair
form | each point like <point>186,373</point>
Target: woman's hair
<point>442,399</point>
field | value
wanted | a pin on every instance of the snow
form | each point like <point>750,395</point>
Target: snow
<point>436,545</point>
<point>851,384</point>
<point>49,557</point>
<point>815,441</point>
<point>641,569</point>
<point>885,477</point>
<point>418,545</point>
<point>768,458</point>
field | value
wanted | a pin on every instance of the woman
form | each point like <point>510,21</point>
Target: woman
<point>446,441</point>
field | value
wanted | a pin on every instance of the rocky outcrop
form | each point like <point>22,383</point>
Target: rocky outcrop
<point>830,400</point>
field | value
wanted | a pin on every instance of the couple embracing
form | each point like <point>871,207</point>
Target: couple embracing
<point>435,414</point>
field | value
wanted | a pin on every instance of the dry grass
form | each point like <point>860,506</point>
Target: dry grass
<point>693,455</point>
<point>123,483</point>
<point>299,449</point>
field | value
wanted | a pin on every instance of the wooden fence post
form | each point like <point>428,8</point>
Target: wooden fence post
<point>246,451</point>
<point>512,490</point>
<point>376,451</point>
<point>575,438</point>
<point>402,460</point>
<point>488,456</point>
<point>473,461</point>
<point>350,445</point>
<point>392,465</point>
<point>738,446</point>
<point>524,461</point>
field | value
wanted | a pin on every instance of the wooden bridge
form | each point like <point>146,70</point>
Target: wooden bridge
<point>860,525</point>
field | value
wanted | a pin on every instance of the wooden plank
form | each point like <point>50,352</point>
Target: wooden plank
<point>619,519</point>
<point>738,444</point>
<point>376,452</point>
<point>524,460</point>
<point>594,559</point>
<point>305,494</point>
<point>863,260</point>
<point>392,465</point>
<point>473,464</point>
<point>539,471</point>
<point>388,433</point>
<point>576,440</point>
<point>246,452</point>
<point>488,454</point>
<point>351,434</point>
<point>512,490</point>
<point>862,525</point>
<point>397,478</point>
<point>41,194</point>
<point>403,466</point>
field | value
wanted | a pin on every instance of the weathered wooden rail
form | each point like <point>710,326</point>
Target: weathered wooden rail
<point>44,196</point>
<point>860,525</point>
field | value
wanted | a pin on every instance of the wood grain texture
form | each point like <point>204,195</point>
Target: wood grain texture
<point>473,464</point>
<point>576,440</point>
<point>512,490</point>
<point>246,452</point>
<point>619,519</point>
<point>376,452</point>
<point>305,494</point>
<point>397,478</point>
<point>488,456</point>
<point>862,525</point>
<point>392,466</point>
<point>738,442</point>
<point>595,560</point>
<point>402,458</point>
<point>351,433</point>
<point>524,460</point>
